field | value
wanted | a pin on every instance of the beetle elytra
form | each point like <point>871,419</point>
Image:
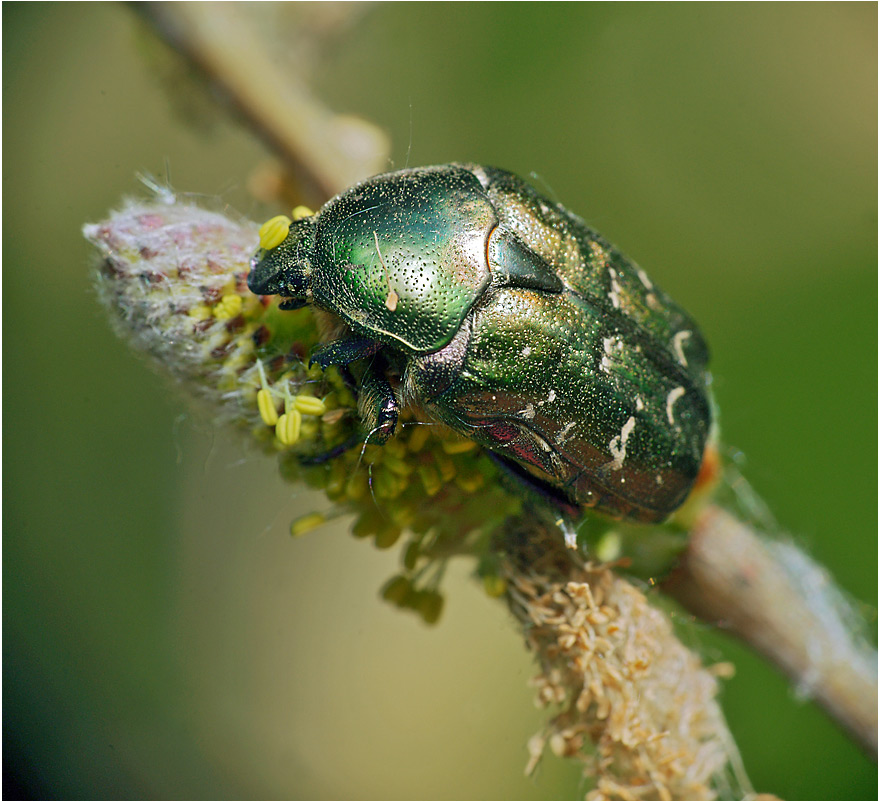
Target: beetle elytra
<point>501,314</point>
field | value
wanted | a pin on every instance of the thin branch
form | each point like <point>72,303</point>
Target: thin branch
<point>327,151</point>
<point>787,608</point>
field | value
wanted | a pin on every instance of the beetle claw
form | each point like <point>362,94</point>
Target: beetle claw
<point>289,304</point>
<point>381,434</point>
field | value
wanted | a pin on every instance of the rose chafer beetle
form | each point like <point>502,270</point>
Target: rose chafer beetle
<point>504,316</point>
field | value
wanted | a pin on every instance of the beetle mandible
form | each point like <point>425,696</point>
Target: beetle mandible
<point>504,316</point>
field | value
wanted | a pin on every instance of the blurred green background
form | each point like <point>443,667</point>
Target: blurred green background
<point>164,637</point>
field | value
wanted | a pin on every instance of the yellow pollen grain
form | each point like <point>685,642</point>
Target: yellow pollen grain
<point>200,312</point>
<point>228,307</point>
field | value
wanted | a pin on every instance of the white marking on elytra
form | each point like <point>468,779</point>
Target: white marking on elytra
<point>563,435</point>
<point>526,351</point>
<point>551,397</point>
<point>617,446</point>
<point>540,441</point>
<point>643,277</point>
<point>673,396</point>
<point>528,413</point>
<point>392,298</point>
<point>480,173</point>
<point>678,345</point>
<point>640,405</point>
<point>658,479</point>
<point>614,295</point>
<point>608,345</point>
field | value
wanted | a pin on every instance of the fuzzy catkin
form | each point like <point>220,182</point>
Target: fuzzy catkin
<point>635,705</point>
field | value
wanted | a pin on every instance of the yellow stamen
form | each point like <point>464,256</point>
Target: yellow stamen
<point>288,426</point>
<point>430,479</point>
<point>456,446</point>
<point>494,585</point>
<point>309,405</point>
<point>418,438</point>
<point>228,307</point>
<point>446,467</point>
<point>387,536</point>
<point>429,606</point>
<point>273,232</point>
<point>266,405</point>
<point>306,523</point>
<point>397,466</point>
<point>397,589</point>
<point>470,483</point>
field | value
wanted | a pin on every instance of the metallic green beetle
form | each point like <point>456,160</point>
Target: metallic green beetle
<point>502,315</point>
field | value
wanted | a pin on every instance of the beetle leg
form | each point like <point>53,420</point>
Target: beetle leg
<point>539,489</point>
<point>348,379</point>
<point>377,404</point>
<point>343,352</point>
<point>377,407</point>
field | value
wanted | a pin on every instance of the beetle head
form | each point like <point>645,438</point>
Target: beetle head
<point>283,264</point>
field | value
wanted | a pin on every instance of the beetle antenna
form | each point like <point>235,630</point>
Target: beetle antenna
<point>361,458</point>
<point>370,483</point>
